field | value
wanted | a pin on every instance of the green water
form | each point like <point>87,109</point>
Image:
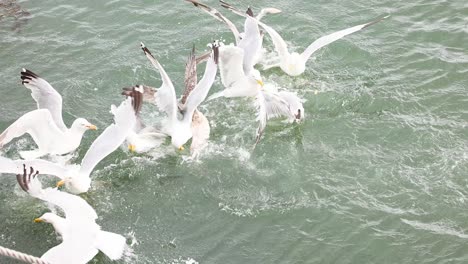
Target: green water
<point>376,174</point>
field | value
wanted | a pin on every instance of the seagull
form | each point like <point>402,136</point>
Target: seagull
<point>45,125</point>
<point>76,178</point>
<point>252,45</point>
<point>82,238</point>
<point>237,81</point>
<point>142,138</point>
<point>180,116</point>
<point>269,102</point>
<point>294,63</point>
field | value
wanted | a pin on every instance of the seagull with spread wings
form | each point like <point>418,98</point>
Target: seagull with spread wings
<point>294,63</point>
<point>45,125</point>
<point>76,178</point>
<point>82,238</point>
<point>144,137</point>
<point>180,116</point>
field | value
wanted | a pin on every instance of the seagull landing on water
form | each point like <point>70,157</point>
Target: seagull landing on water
<point>45,125</point>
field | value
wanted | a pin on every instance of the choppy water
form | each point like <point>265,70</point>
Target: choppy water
<point>376,174</point>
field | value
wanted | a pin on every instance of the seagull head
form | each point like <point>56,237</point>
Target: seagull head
<point>180,136</point>
<point>255,74</point>
<point>47,218</point>
<point>76,183</point>
<point>82,124</point>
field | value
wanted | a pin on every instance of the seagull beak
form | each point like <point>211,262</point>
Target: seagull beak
<point>92,127</point>
<point>38,220</point>
<point>131,147</point>
<point>181,148</point>
<point>260,82</point>
<point>60,183</point>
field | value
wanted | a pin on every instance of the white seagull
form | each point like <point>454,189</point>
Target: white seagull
<point>82,238</point>
<point>180,116</point>
<point>294,63</point>
<point>45,125</point>
<point>76,178</point>
<point>144,137</point>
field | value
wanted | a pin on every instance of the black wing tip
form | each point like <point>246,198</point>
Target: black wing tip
<point>195,3</point>
<point>145,49</point>
<point>136,92</point>
<point>249,12</point>
<point>27,74</point>
<point>215,48</point>
<point>25,178</point>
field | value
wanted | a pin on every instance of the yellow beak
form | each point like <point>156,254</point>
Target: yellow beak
<point>260,82</point>
<point>131,147</point>
<point>92,127</point>
<point>60,183</point>
<point>38,220</point>
<point>181,148</point>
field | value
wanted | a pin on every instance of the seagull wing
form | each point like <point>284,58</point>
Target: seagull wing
<point>280,45</point>
<point>325,40</point>
<point>38,123</point>
<point>45,96</point>
<point>199,93</point>
<point>166,99</point>
<point>67,252</point>
<point>111,138</point>
<point>262,116</point>
<point>190,79</point>
<point>275,105</point>
<point>251,43</point>
<point>268,10</point>
<point>230,64</point>
<point>215,13</point>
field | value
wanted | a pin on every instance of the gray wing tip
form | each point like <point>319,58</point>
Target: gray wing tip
<point>225,5</point>
<point>376,21</point>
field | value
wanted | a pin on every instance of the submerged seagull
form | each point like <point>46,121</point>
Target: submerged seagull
<point>45,125</point>
<point>294,63</point>
<point>179,116</point>
<point>76,178</point>
<point>82,238</point>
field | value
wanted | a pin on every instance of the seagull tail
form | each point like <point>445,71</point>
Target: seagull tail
<point>111,244</point>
